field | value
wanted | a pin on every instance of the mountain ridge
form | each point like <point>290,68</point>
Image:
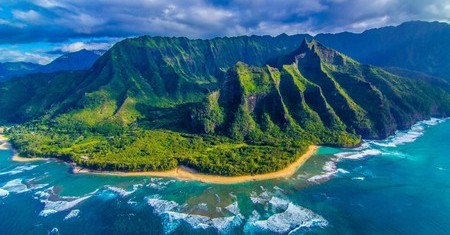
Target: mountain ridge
<point>152,103</point>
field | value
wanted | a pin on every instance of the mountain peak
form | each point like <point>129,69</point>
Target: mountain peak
<point>311,52</point>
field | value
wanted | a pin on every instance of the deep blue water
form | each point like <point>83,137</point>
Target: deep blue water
<point>397,186</point>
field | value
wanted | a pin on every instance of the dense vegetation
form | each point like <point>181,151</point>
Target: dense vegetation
<point>156,103</point>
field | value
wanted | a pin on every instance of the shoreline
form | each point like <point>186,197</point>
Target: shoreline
<point>181,172</point>
<point>5,145</point>
<point>189,174</point>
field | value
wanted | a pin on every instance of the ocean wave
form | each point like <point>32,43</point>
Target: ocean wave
<point>173,216</point>
<point>51,207</point>
<point>122,192</point>
<point>233,208</point>
<point>329,170</point>
<point>276,203</point>
<point>203,206</point>
<point>15,186</point>
<point>159,183</point>
<point>293,218</point>
<point>54,231</point>
<point>54,203</point>
<point>374,148</point>
<point>19,169</point>
<point>408,136</point>
<point>72,214</point>
<point>358,155</point>
<point>223,225</point>
<point>262,198</point>
<point>3,193</point>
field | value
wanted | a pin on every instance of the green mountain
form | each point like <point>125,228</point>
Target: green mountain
<point>416,45</point>
<point>14,69</point>
<point>229,106</point>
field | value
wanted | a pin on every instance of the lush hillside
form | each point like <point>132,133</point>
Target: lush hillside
<point>419,46</point>
<point>14,69</point>
<point>79,60</point>
<point>230,106</point>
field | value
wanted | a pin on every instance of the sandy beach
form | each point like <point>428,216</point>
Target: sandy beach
<point>5,145</point>
<point>185,173</point>
<point>181,172</point>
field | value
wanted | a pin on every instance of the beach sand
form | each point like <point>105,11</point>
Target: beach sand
<point>185,173</point>
<point>5,145</point>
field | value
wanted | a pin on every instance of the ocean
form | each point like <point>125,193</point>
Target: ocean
<point>400,185</point>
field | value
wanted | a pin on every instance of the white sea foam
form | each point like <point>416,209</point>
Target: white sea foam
<point>122,192</point>
<point>369,148</point>
<point>222,224</point>
<point>323,177</point>
<point>329,170</point>
<point>54,203</point>
<point>159,183</point>
<point>54,231</point>
<point>3,193</point>
<point>358,178</point>
<point>52,207</point>
<point>278,189</point>
<point>160,206</point>
<point>202,206</point>
<point>19,169</point>
<point>277,203</point>
<point>408,136</point>
<point>173,216</point>
<point>358,155</point>
<point>37,186</point>
<point>15,186</point>
<point>262,198</point>
<point>233,208</point>
<point>294,217</point>
<point>72,214</point>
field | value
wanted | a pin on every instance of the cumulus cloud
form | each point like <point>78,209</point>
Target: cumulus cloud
<point>73,22</point>
<point>28,16</point>
<point>11,55</point>
<point>204,19</point>
<point>76,46</point>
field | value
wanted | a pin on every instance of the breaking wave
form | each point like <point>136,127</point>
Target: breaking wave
<point>122,192</point>
<point>15,186</point>
<point>54,203</point>
<point>374,148</point>
<point>72,214</point>
<point>19,169</point>
<point>174,215</point>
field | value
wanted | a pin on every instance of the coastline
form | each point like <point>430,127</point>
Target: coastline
<point>181,172</point>
<point>188,174</point>
<point>5,145</point>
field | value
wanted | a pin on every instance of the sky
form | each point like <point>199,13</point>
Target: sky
<point>40,30</point>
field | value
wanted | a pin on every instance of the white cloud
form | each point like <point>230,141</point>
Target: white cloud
<point>76,46</point>
<point>8,55</point>
<point>369,23</point>
<point>28,16</point>
<point>13,24</point>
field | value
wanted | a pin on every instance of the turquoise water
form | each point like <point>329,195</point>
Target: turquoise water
<point>397,186</point>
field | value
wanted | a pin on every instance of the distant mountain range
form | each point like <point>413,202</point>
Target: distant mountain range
<point>79,60</point>
<point>16,69</point>
<point>230,106</point>
<point>417,45</point>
